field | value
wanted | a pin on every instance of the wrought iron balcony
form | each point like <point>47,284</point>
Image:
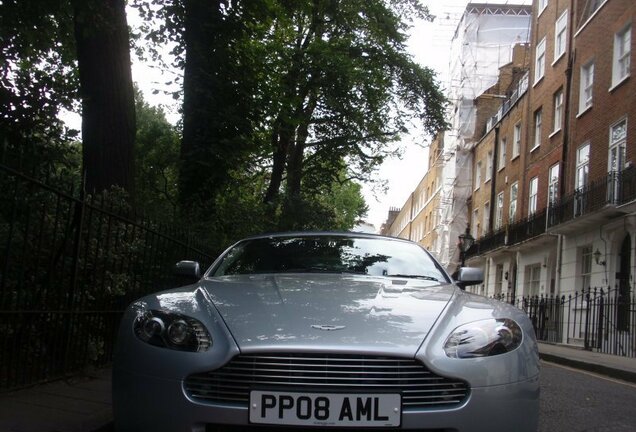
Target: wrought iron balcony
<point>522,230</point>
<point>606,193</point>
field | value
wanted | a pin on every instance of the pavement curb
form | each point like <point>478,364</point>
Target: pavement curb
<point>591,367</point>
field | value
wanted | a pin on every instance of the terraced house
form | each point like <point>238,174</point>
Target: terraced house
<point>565,245</point>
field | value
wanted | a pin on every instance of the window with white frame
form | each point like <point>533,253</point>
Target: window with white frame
<point>533,280</point>
<point>622,53</point>
<point>585,272</point>
<point>489,165</point>
<point>542,5</point>
<point>558,111</point>
<point>537,129</point>
<point>498,279</point>
<point>514,190</point>
<point>553,184</point>
<point>586,86</point>
<point>533,190</point>
<point>486,226</point>
<point>516,140</point>
<point>539,62</point>
<point>478,175</point>
<point>560,35</point>
<point>502,153</point>
<point>617,147</point>
<point>582,166</point>
<point>499,211</point>
<point>475,224</point>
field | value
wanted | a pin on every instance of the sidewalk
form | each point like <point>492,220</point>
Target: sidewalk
<point>84,404</point>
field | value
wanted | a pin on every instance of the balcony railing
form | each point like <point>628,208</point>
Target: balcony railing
<point>524,229</point>
<point>616,188</point>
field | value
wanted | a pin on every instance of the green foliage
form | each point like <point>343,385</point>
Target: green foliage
<point>156,162</point>
<point>38,77</point>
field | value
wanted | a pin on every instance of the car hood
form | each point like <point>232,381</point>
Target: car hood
<point>328,311</point>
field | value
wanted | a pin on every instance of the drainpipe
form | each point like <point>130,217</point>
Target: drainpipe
<point>493,174</point>
<point>568,103</point>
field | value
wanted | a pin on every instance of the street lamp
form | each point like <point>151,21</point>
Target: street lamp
<point>465,242</point>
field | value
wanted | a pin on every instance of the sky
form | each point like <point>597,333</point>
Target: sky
<point>429,44</point>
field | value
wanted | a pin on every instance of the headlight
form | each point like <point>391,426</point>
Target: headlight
<point>483,339</point>
<point>172,330</point>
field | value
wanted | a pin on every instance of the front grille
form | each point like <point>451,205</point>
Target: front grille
<point>419,387</point>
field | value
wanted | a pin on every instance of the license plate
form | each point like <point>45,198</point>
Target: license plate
<point>325,409</point>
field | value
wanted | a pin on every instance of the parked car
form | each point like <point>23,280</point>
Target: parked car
<point>325,330</point>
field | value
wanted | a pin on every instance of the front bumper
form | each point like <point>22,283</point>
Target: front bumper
<point>143,402</point>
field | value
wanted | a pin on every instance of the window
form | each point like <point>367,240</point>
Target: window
<point>558,111</point>
<point>532,196</point>
<point>502,154</point>
<point>516,140</point>
<point>478,175</point>
<point>617,144</point>
<point>622,52</point>
<point>489,165</point>
<point>533,279</point>
<point>580,181</point>
<point>585,274</point>
<point>498,279</point>
<point>553,184</point>
<point>486,227</point>
<point>586,86</point>
<point>475,224</point>
<point>582,166</point>
<point>537,129</point>
<point>542,5</point>
<point>514,189</point>
<point>560,35</point>
<point>539,63</point>
<point>499,211</point>
<point>616,158</point>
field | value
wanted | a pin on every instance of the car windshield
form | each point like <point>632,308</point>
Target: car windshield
<point>330,254</point>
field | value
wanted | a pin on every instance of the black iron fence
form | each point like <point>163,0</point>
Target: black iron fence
<point>597,319</point>
<point>68,268</point>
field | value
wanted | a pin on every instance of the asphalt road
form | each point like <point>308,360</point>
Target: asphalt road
<point>577,401</point>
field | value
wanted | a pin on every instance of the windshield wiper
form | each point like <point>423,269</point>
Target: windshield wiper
<point>413,276</point>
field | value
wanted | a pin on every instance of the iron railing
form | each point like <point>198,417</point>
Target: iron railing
<point>615,188</point>
<point>68,268</point>
<point>596,319</point>
<point>524,229</point>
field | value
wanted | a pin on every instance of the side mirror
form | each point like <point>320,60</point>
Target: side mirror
<point>187,271</point>
<point>466,276</point>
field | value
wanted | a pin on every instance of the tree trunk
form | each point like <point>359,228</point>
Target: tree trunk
<point>108,105</point>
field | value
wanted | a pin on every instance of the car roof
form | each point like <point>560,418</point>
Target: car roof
<point>344,234</point>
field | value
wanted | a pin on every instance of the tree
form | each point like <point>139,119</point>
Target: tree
<point>106,89</point>
<point>156,162</point>
<point>38,78</point>
<point>345,87</point>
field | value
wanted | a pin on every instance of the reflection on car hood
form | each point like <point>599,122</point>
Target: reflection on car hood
<point>328,311</point>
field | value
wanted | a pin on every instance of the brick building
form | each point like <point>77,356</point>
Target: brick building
<point>574,221</point>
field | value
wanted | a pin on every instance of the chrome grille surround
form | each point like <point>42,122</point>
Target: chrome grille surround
<point>323,373</point>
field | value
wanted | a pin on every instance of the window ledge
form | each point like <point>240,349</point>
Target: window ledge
<point>556,60</point>
<point>501,168</point>
<point>514,157</point>
<point>486,181</point>
<point>618,84</point>
<point>534,148</point>
<point>554,133</point>
<point>584,111</point>
<point>539,80</point>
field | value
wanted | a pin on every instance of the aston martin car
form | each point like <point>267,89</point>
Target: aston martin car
<point>325,331</point>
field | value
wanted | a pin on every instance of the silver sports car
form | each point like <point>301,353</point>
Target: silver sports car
<point>325,331</point>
